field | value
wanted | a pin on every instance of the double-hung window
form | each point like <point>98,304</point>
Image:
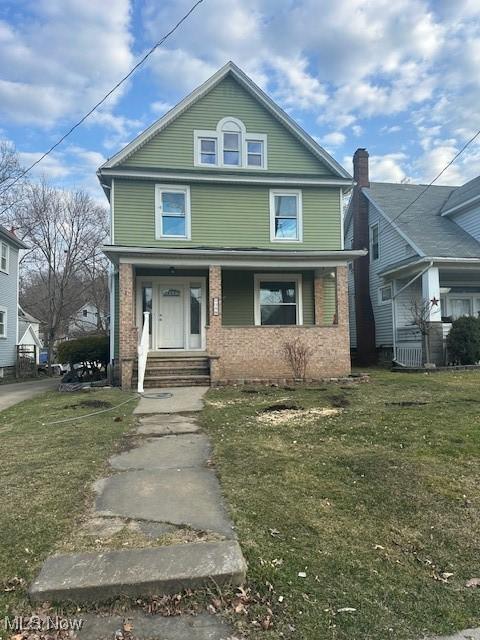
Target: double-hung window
<point>208,151</point>
<point>255,153</point>
<point>285,216</point>
<point>385,294</point>
<point>4,251</point>
<point>231,149</point>
<point>230,146</point>
<point>172,212</point>
<point>278,299</point>
<point>374,242</point>
<point>3,322</point>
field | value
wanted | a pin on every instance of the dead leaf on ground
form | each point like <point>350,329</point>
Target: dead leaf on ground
<point>473,582</point>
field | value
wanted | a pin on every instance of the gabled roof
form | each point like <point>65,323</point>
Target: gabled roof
<point>24,315</point>
<point>462,196</point>
<point>229,69</point>
<point>430,232</point>
<point>8,235</point>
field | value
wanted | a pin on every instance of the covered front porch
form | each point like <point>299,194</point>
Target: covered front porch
<point>424,305</point>
<point>239,313</point>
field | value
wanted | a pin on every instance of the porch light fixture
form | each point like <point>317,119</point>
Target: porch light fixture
<point>171,271</point>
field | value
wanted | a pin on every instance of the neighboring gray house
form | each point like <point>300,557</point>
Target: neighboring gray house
<point>425,257</point>
<point>10,246</point>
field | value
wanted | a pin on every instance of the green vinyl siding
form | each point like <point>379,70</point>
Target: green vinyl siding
<point>172,148</point>
<point>329,301</point>
<point>225,215</point>
<point>238,297</point>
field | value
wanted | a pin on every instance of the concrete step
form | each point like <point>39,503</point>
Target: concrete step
<point>99,577</point>
<point>169,371</point>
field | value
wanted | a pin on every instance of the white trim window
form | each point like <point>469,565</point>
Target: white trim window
<point>230,146</point>
<point>285,215</point>
<point>385,294</point>
<point>278,299</point>
<point>4,257</point>
<point>3,322</point>
<point>374,242</point>
<point>172,209</point>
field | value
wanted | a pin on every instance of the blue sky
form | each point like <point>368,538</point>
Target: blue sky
<point>400,78</point>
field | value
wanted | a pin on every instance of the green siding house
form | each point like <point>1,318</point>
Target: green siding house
<point>226,244</point>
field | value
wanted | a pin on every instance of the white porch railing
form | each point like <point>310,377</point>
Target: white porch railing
<point>409,356</point>
<point>143,346</point>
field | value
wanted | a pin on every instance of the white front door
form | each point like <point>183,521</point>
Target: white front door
<point>171,317</point>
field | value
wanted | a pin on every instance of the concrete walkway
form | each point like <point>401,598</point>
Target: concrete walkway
<point>466,634</point>
<point>11,394</point>
<point>162,485</point>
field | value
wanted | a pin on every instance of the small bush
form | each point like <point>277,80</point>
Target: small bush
<point>463,341</point>
<point>88,350</point>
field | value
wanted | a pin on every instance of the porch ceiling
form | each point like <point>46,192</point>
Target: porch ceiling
<point>204,257</point>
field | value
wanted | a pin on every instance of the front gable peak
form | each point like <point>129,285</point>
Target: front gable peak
<point>239,105</point>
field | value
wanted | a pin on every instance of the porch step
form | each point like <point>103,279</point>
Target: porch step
<point>152,382</point>
<point>175,371</point>
<point>99,577</point>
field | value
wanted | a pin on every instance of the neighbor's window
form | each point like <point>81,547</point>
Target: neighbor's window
<point>208,151</point>
<point>4,249</point>
<point>374,247</point>
<point>285,216</point>
<point>3,323</point>
<point>255,153</point>
<point>385,294</point>
<point>85,313</point>
<point>278,300</point>
<point>173,212</point>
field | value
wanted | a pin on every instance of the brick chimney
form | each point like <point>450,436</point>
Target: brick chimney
<point>364,318</point>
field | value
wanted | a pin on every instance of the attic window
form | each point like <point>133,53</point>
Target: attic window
<point>230,146</point>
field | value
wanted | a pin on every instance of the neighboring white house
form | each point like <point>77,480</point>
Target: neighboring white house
<point>87,320</point>
<point>29,331</point>
<point>424,252</point>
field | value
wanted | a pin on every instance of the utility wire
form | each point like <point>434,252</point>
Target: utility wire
<point>107,95</point>
<point>449,164</point>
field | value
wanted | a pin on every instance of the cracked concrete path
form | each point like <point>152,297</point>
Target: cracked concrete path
<point>163,484</point>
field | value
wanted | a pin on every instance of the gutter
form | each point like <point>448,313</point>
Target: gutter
<point>436,259</point>
<point>234,253</point>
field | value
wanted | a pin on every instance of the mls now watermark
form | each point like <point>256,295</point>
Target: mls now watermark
<point>42,623</point>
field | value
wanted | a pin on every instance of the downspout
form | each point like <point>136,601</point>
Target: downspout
<point>394,297</point>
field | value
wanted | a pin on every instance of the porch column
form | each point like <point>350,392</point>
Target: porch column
<point>128,337</point>
<point>433,341</point>
<point>318,297</point>
<point>342,297</point>
<point>431,294</point>
<point>215,319</point>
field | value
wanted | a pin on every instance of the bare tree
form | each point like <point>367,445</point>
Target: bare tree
<point>298,356</point>
<point>64,230</point>
<point>11,195</point>
<point>420,310</point>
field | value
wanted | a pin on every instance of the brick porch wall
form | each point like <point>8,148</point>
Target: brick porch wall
<point>256,353</point>
<point>128,334</point>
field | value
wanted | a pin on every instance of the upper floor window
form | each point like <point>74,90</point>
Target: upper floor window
<point>4,254</point>
<point>374,242</point>
<point>3,322</point>
<point>230,146</point>
<point>285,215</point>
<point>172,206</point>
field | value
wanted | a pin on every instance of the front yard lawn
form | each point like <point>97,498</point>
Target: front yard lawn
<point>362,522</point>
<point>45,475</point>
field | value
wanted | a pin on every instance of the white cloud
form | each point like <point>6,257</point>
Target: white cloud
<point>333,139</point>
<point>160,107</point>
<point>61,57</point>
<point>388,167</point>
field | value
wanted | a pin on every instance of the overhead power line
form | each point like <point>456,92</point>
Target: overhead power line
<point>105,97</point>
<point>449,164</point>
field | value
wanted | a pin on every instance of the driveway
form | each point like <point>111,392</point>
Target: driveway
<point>15,392</point>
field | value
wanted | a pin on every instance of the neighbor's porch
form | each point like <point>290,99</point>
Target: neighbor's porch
<point>239,318</point>
<point>435,297</point>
